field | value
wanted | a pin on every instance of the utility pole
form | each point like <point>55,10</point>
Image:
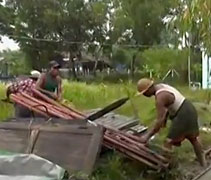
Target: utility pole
<point>189,59</point>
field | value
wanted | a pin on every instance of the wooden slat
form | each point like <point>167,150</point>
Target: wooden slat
<point>205,175</point>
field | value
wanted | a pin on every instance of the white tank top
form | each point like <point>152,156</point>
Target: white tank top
<point>179,98</point>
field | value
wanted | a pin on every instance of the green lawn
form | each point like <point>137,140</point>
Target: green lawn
<point>93,95</point>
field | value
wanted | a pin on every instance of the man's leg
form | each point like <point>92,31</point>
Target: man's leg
<point>198,150</point>
<point>167,145</point>
<point>167,148</point>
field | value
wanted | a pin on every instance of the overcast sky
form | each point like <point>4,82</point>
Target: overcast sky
<point>7,43</point>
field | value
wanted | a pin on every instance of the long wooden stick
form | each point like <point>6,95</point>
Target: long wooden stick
<point>14,98</point>
<point>51,101</point>
<point>35,107</point>
<point>132,156</point>
<point>52,107</point>
<point>127,147</point>
<point>132,139</point>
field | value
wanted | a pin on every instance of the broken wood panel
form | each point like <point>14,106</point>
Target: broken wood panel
<point>14,140</point>
<point>74,147</point>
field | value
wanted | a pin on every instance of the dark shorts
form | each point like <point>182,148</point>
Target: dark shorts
<point>21,111</point>
<point>184,124</point>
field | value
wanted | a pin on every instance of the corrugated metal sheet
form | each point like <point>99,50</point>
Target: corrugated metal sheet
<point>116,121</point>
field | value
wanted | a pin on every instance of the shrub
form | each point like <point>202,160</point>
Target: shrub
<point>160,60</point>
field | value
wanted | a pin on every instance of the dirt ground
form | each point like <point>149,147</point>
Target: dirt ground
<point>191,170</point>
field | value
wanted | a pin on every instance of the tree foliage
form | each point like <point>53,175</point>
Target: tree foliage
<point>113,28</point>
<point>43,27</point>
<point>194,17</point>
<point>63,21</point>
<point>16,61</point>
<point>160,60</point>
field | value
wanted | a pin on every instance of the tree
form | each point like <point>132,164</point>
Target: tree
<point>145,19</point>
<point>160,60</point>
<point>44,27</point>
<point>138,22</point>
<point>193,18</point>
<point>16,61</point>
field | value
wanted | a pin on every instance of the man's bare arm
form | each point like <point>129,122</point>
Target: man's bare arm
<point>160,120</point>
<point>163,100</point>
<point>59,90</point>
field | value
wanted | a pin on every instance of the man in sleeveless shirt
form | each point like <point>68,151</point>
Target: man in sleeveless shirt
<point>50,82</point>
<point>171,103</point>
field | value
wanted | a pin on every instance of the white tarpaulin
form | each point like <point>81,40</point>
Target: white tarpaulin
<point>28,167</point>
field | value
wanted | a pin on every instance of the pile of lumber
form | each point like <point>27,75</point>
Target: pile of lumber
<point>130,146</point>
<point>113,139</point>
<point>46,106</point>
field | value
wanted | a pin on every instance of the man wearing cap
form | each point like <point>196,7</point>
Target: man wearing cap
<point>50,82</point>
<point>171,103</point>
<point>23,86</point>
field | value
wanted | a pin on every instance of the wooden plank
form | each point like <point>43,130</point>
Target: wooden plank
<point>40,120</point>
<point>205,175</point>
<point>108,108</point>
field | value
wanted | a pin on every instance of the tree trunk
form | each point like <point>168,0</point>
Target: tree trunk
<point>132,66</point>
<point>95,67</point>
<point>71,62</point>
<point>97,55</point>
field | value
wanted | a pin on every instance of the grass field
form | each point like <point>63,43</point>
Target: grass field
<point>85,97</point>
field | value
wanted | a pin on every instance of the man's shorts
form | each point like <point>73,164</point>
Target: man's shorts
<point>21,111</point>
<point>184,124</point>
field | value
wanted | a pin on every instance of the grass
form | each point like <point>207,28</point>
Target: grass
<point>94,95</point>
<point>91,96</point>
<point>5,108</point>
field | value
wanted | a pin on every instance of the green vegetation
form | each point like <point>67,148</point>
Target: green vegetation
<point>161,60</point>
<point>45,29</point>
<point>85,97</point>
<point>91,96</point>
<point>149,38</point>
<point>5,108</point>
<point>16,61</point>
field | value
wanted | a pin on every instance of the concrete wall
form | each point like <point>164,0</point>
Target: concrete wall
<point>206,71</point>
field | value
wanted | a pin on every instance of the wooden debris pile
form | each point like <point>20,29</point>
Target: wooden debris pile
<point>114,139</point>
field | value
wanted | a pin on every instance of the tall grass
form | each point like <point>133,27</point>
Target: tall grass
<point>5,108</point>
<point>90,96</point>
<point>93,96</point>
